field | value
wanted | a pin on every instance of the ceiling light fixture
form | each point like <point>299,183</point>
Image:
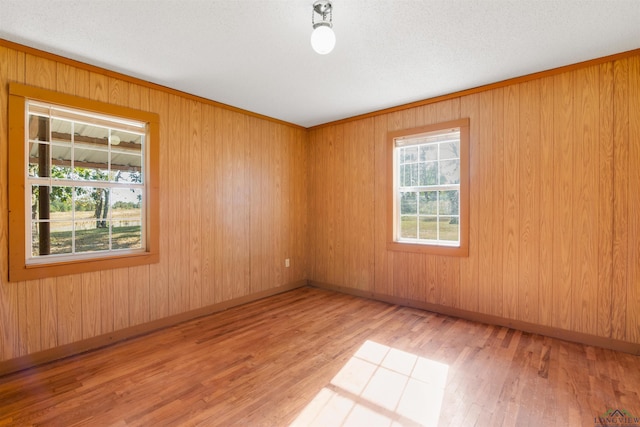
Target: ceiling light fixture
<point>323,38</point>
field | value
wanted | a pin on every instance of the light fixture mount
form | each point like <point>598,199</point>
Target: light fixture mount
<point>323,38</point>
<point>322,8</point>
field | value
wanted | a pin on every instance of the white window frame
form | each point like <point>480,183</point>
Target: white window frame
<point>75,117</point>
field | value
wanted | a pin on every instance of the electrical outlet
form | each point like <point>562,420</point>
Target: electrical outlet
<point>287,263</point>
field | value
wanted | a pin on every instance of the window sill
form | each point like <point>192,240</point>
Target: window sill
<point>454,251</point>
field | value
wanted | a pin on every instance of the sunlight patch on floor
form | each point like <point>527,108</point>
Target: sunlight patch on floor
<point>380,386</point>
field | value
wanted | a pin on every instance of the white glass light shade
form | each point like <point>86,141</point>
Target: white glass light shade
<point>323,39</point>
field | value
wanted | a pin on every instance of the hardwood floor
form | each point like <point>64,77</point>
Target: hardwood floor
<point>314,357</point>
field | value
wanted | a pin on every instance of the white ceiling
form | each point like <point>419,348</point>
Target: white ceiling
<point>256,55</point>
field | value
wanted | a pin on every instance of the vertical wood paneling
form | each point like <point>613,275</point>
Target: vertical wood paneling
<point>563,200</point>
<point>300,175</point>
<point>49,313</point>
<point>469,279</point>
<point>484,205</point>
<point>208,206</point>
<point>227,208</point>
<point>529,201</point>
<point>268,200</point>
<point>585,238</point>
<point>605,200</point>
<point>241,202</point>
<point>621,217</point>
<point>29,316</point>
<point>139,308</point>
<point>183,197</point>
<point>69,308</point>
<point>219,252</point>
<point>82,83</point>
<point>257,176</point>
<point>382,256</point>
<point>340,189</point>
<point>633,290</point>
<point>330,204</point>
<point>547,191</point>
<point>40,72</point>
<point>511,231</point>
<point>106,302</point>
<point>173,191</point>
<point>121,298</point>
<point>194,168</point>
<point>159,273</point>
<point>497,180</point>
<point>287,218</point>
<point>65,78</point>
<point>91,320</point>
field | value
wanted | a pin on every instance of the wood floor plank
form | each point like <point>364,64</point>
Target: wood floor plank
<point>346,359</point>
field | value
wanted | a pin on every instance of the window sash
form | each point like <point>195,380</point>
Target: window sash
<point>434,139</point>
<point>79,117</point>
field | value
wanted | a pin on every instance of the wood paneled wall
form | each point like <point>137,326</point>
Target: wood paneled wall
<point>233,207</point>
<point>554,204</point>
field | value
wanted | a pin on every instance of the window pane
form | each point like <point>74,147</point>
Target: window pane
<point>450,202</point>
<point>405,175</point>
<point>61,157</point>
<point>429,203</point>
<point>90,238</point>
<point>61,131</point>
<point>126,206</point>
<point>89,204</point>
<point>408,203</point>
<point>126,167</point>
<point>127,141</point>
<point>410,154</point>
<point>408,227</point>
<point>91,165</point>
<point>429,173</point>
<point>35,237</point>
<point>126,234</point>
<point>60,237</point>
<point>39,160</point>
<point>90,136</point>
<point>60,203</point>
<point>38,128</point>
<point>428,152</point>
<point>428,228</point>
<point>450,150</point>
<point>449,228</point>
<point>50,238</point>
<point>415,172</point>
<point>449,172</point>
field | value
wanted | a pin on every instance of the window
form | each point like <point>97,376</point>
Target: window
<point>429,188</point>
<point>83,186</point>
